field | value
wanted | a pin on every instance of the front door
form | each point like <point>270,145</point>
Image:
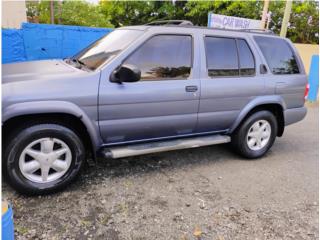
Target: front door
<point>164,103</point>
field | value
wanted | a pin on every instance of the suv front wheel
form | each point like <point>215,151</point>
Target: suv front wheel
<point>256,135</point>
<point>43,158</point>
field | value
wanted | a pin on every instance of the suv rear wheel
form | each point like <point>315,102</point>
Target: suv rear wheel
<point>256,135</point>
<point>43,158</point>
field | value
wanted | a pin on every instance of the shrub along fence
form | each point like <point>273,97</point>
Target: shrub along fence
<point>46,41</point>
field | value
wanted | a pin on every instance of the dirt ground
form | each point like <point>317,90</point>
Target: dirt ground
<point>204,193</point>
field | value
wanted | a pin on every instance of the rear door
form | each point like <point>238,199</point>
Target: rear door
<point>164,103</point>
<point>229,80</point>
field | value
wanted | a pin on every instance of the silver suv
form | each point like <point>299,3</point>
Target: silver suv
<point>145,89</point>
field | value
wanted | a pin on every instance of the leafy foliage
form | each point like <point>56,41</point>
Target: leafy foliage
<point>304,26</point>
<point>124,13</point>
<point>304,21</point>
<point>71,12</point>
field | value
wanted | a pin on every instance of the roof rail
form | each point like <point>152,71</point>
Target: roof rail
<point>257,30</point>
<point>170,22</point>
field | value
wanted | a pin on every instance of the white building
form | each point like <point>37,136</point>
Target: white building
<point>13,13</point>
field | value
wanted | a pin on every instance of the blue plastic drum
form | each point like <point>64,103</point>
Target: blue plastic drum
<point>7,224</point>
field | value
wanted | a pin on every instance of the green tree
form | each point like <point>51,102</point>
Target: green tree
<point>198,11</point>
<point>70,12</point>
<point>304,21</point>
<point>124,13</point>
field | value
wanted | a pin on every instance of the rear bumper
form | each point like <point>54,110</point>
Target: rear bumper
<point>294,115</point>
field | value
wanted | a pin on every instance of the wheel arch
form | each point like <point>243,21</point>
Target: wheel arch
<point>61,112</point>
<point>276,105</point>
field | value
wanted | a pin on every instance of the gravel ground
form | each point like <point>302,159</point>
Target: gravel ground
<point>204,193</point>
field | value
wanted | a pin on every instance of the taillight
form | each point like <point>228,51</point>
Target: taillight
<point>306,92</point>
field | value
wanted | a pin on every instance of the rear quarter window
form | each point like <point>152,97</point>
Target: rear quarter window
<point>278,54</point>
<point>246,59</point>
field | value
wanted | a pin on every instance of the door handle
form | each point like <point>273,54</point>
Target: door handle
<point>281,84</point>
<point>191,88</point>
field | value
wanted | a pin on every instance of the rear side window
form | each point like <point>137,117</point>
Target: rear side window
<point>164,57</point>
<point>228,57</point>
<point>278,54</point>
<point>222,56</point>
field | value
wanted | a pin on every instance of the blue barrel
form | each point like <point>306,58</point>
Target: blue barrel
<point>7,224</point>
<point>314,78</point>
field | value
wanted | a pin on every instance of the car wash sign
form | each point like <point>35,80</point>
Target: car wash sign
<point>228,22</point>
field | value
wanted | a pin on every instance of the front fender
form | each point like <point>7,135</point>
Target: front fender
<point>258,101</point>
<point>43,107</point>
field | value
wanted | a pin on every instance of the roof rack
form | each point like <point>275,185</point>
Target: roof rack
<point>186,23</point>
<point>257,30</point>
<point>170,22</point>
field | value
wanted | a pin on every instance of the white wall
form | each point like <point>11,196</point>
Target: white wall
<point>306,51</point>
<point>13,13</point>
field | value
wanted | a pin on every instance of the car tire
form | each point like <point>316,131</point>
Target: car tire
<point>42,158</point>
<point>256,135</point>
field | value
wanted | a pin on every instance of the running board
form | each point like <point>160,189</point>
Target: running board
<point>163,146</point>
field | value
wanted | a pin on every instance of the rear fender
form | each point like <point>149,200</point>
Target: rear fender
<point>256,102</point>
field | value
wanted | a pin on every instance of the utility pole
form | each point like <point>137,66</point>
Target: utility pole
<point>286,18</point>
<point>264,14</point>
<point>268,19</point>
<point>51,12</point>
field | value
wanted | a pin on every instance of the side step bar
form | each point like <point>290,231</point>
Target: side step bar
<point>163,146</point>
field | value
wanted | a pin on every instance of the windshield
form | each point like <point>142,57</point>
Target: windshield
<point>106,48</point>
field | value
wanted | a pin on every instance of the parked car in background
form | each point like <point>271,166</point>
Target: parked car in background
<point>145,89</point>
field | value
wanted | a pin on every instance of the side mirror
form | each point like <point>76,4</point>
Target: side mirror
<point>125,73</point>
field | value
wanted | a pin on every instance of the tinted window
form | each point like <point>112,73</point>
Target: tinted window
<point>106,48</point>
<point>246,58</point>
<point>278,55</point>
<point>164,57</point>
<point>222,58</point>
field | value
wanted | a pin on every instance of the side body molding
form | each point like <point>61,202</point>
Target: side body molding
<point>255,102</point>
<point>42,107</point>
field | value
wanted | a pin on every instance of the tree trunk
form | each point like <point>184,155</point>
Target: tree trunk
<point>51,12</point>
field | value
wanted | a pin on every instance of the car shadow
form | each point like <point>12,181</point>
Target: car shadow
<point>164,163</point>
<point>160,162</point>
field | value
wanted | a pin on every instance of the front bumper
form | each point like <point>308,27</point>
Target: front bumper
<point>294,115</point>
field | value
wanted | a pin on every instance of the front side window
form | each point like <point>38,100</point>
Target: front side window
<point>164,57</point>
<point>222,56</point>
<point>106,48</point>
<point>278,54</point>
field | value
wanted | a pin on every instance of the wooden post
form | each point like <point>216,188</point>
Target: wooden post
<point>264,14</point>
<point>286,18</point>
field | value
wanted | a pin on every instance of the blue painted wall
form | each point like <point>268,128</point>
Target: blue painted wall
<point>46,41</point>
<point>12,46</point>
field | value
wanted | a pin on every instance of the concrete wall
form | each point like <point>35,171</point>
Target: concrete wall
<point>46,41</point>
<point>12,46</point>
<point>306,52</point>
<point>13,13</point>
